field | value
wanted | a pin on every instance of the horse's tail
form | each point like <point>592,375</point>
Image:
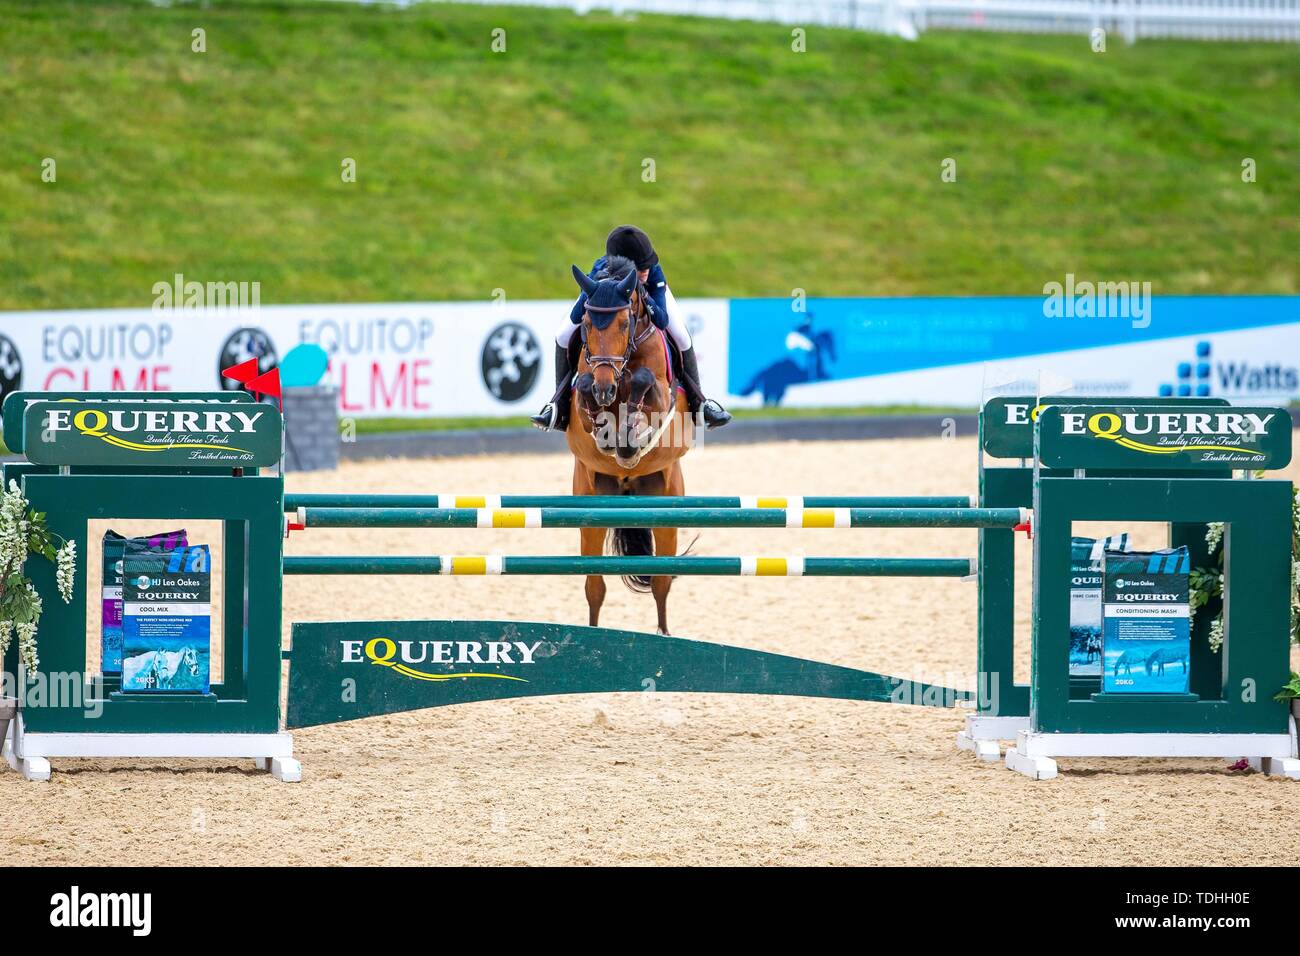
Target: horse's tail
<point>637,542</point>
<point>632,543</point>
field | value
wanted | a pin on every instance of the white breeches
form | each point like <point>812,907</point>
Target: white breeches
<point>676,324</point>
<point>567,331</point>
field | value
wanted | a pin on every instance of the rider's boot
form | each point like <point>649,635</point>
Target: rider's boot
<point>555,415</point>
<point>715,416</point>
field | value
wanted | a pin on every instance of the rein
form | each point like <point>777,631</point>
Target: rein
<point>653,443</point>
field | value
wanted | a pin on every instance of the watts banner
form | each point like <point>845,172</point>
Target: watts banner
<point>494,359</point>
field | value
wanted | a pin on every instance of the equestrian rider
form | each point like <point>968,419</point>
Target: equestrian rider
<point>631,243</point>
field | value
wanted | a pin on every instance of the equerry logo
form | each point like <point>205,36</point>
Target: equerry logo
<point>402,657</point>
<point>122,428</point>
<point>1210,431</point>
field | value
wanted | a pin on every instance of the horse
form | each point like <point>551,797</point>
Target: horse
<point>158,669</point>
<point>1162,656</point>
<point>186,659</point>
<point>1126,660</point>
<point>629,424</point>
<point>812,349</point>
<point>1092,648</point>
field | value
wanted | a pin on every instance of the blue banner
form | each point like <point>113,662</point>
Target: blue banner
<point>773,347</point>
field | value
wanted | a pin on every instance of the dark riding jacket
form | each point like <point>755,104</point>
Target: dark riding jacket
<point>655,284</point>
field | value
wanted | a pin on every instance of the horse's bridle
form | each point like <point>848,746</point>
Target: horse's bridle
<point>618,363</point>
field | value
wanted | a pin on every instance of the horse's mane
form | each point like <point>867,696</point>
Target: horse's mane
<point>615,269</point>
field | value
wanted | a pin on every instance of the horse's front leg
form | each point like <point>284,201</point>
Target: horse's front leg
<point>642,400</point>
<point>660,584</point>
<point>669,483</point>
<point>593,544</point>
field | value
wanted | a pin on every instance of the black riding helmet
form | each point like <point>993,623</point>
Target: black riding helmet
<point>632,243</point>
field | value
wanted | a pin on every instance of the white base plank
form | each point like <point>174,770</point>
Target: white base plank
<point>33,768</point>
<point>983,732</point>
<point>29,753</point>
<point>1036,768</point>
<point>285,769</point>
<point>990,751</point>
<point>1034,754</point>
<point>1288,767</point>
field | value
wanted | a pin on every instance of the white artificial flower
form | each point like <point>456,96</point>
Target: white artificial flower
<point>1214,535</point>
<point>27,645</point>
<point>1216,634</point>
<point>67,569</point>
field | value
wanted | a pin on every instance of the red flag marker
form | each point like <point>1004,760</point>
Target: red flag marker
<point>244,372</point>
<point>267,384</point>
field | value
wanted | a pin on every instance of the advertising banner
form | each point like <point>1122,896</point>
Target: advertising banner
<point>399,360</point>
<point>495,359</point>
<point>936,351</point>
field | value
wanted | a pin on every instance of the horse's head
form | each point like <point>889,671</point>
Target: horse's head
<point>608,331</point>
<point>190,661</point>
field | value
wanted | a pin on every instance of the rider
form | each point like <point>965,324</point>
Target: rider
<point>630,242</point>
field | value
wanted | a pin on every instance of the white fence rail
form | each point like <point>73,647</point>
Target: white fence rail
<point>1270,20</point>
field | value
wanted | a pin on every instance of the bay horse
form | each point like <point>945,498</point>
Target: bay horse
<point>629,424</point>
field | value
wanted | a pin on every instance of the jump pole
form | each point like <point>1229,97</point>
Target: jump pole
<point>650,566</point>
<point>662,517</point>
<point>293,502</point>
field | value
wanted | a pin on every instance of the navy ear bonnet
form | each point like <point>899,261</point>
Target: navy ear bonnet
<point>606,297</point>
